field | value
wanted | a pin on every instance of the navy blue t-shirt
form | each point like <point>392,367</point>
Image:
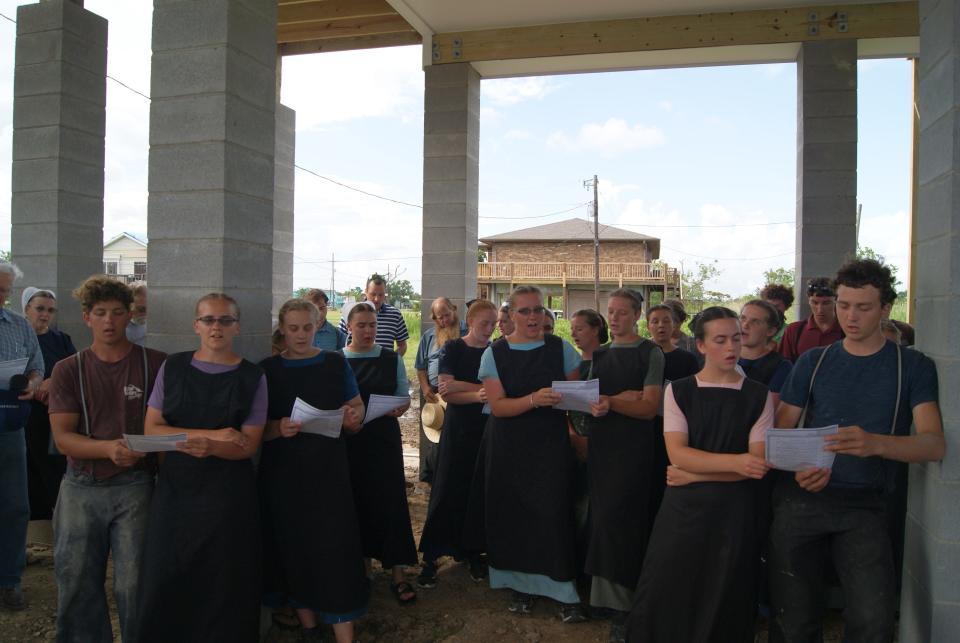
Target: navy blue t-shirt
<point>862,391</point>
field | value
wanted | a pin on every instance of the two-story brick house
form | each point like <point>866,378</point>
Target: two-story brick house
<point>559,257</point>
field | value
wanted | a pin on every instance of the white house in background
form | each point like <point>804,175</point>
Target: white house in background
<point>125,256</point>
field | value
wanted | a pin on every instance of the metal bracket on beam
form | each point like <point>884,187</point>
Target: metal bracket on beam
<point>839,21</point>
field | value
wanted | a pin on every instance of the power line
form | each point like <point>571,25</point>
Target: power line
<point>324,261</point>
<point>5,16</point>
<point>126,86</point>
<point>350,187</point>
<point>543,216</point>
<point>719,225</point>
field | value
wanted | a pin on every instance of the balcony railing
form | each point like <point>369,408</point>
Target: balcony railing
<point>564,273</point>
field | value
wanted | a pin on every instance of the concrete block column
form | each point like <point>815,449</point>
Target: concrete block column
<point>211,181</point>
<point>451,177</point>
<point>826,161</point>
<point>60,95</point>
<point>283,189</point>
<point>930,604</point>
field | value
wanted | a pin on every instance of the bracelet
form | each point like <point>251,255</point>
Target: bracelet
<point>532,403</point>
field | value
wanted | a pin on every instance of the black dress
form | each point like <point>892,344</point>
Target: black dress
<point>201,578</point>
<point>44,470</point>
<point>698,583</point>
<point>528,471</point>
<point>619,462</point>
<point>460,439</point>
<point>311,538</point>
<point>677,364</point>
<point>376,470</point>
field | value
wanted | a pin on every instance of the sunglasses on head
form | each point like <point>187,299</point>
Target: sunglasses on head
<point>820,291</point>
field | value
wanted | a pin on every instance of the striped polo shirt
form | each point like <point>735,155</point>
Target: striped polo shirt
<point>390,327</point>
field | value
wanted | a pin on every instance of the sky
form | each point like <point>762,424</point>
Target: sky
<point>681,155</point>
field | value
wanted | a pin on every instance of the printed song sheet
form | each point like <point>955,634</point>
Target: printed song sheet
<point>317,421</point>
<point>380,405</point>
<point>10,368</point>
<point>153,443</point>
<point>798,449</point>
<point>577,395</point>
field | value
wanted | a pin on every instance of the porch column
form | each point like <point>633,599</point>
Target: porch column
<point>930,603</point>
<point>60,95</point>
<point>212,122</point>
<point>451,176</point>
<point>826,161</point>
<point>283,189</point>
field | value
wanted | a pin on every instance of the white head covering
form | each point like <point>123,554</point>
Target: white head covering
<point>30,292</point>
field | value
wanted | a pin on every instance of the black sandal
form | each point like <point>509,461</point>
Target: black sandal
<point>399,589</point>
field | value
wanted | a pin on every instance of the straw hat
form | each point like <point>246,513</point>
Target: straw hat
<point>431,415</point>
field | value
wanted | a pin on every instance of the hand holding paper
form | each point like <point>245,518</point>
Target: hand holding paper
<point>317,421</point>
<point>577,395</point>
<point>153,443</point>
<point>380,405</point>
<point>799,449</point>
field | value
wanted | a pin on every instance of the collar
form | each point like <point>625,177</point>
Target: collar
<point>4,315</point>
<point>811,325</point>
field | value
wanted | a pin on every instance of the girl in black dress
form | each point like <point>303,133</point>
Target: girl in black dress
<point>698,583</point>
<point>630,370</point>
<point>313,560</point>
<point>376,455</point>
<point>463,425</point>
<point>201,579</point>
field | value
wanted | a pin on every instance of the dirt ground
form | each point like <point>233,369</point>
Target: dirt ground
<point>457,610</point>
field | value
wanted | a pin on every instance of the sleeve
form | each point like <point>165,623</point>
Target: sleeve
<point>258,410</point>
<point>488,366</point>
<point>403,386</point>
<point>449,356</point>
<point>571,358</point>
<point>341,340</point>
<point>35,356</point>
<point>156,397</point>
<point>64,393</point>
<point>797,386</point>
<point>420,362</point>
<point>758,432</point>
<point>788,344</point>
<point>924,386</point>
<point>674,421</point>
<point>655,368</point>
<point>780,377</point>
<point>69,348</point>
<point>402,334</point>
<point>350,387</point>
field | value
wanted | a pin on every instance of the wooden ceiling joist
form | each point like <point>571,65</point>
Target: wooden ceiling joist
<point>311,26</point>
<point>761,27</point>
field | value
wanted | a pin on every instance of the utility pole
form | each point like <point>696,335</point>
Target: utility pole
<point>333,272</point>
<point>596,243</point>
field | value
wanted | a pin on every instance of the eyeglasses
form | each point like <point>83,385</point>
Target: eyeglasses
<point>526,312</point>
<point>226,321</point>
<point>44,309</point>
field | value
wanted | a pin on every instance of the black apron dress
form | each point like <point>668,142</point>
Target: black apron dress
<point>375,455</point>
<point>699,582</point>
<point>529,471</point>
<point>463,426</point>
<point>312,556</point>
<point>201,579</point>
<point>620,458</point>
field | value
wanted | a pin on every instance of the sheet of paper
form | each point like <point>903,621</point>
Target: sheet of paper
<point>578,395</point>
<point>317,421</point>
<point>380,405</point>
<point>798,449</point>
<point>153,443</point>
<point>10,368</point>
<point>486,409</point>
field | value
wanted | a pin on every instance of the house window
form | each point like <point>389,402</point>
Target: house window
<point>140,270</point>
<point>110,267</point>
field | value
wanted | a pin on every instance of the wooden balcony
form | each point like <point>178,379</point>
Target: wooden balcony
<point>630,274</point>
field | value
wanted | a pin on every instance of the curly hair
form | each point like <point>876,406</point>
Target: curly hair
<point>780,292</point>
<point>101,288</point>
<point>858,273</point>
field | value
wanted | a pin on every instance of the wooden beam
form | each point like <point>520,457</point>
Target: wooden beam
<point>332,10</point>
<point>773,26</point>
<point>346,28</point>
<point>349,44</point>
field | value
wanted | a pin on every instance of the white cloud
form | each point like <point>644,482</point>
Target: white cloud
<point>609,139</point>
<point>344,86</point>
<point>665,105</point>
<point>517,135</point>
<point>511,91</point>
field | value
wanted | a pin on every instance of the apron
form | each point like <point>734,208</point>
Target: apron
<point>311,538</point>
<point>699,582</point>
<point>376,470</point>
<point>201,579</point>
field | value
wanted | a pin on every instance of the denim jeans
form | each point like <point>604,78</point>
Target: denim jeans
<point>92,520</point>
<point>852,528</point>
<point>14,507</point>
